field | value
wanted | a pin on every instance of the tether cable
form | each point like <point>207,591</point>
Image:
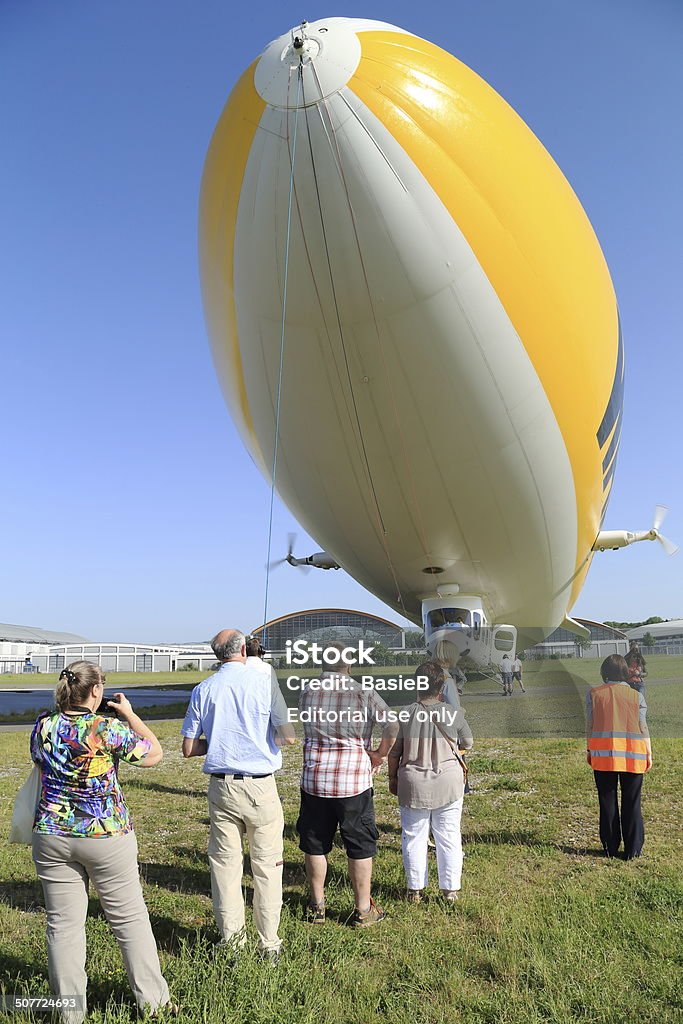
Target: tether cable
<point>278,404</point>
<point>366,460</point>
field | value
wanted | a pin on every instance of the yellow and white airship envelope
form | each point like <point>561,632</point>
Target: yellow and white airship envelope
<point>452,368</point>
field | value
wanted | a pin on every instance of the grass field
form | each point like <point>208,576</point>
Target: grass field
<point>546,931</point>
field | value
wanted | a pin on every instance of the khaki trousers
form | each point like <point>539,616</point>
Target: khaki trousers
<point>64,865</point>
<point>236,807</point>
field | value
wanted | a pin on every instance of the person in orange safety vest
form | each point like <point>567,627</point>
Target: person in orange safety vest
<point>619,753</point>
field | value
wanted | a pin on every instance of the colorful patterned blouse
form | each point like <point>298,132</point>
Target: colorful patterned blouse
<point>78,756</point>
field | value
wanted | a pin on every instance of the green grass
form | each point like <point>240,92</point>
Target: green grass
<point>546,932</point>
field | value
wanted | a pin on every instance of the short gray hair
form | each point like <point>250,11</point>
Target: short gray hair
<point>345,660</point>
<point>229,647</point>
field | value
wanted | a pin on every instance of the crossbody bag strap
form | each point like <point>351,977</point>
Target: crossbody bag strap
<point>461,761</point>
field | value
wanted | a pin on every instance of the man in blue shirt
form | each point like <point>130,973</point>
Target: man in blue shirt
<point>237,720</point>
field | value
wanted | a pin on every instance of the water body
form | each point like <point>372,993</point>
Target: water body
<point>43,699</point>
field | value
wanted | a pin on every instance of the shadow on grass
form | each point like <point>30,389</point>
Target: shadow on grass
<point>177,877</point>
<point>291,833</point>
<point>24,896</point>
<point>171,936</point>
<point>502,837</point>
<point>505,838</point>
<point>197,879</point>
<point>19,971</point>
<point>388,828</point>
<point>158,787</point>
<point>581,851</point>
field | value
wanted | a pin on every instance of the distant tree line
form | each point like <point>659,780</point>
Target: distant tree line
<point>632,625</point>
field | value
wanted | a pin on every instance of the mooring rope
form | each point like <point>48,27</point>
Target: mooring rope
<point>371,482</point>
<point>282,343</point>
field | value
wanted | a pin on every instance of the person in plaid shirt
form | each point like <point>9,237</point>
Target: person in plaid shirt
<point>336,785</point>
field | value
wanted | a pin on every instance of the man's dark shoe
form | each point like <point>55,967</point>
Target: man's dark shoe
<point>373,915</point>
<point>270,957</point>
<point>315,913</point>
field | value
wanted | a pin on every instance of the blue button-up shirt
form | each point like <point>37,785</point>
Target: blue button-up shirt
<point>238,710</point>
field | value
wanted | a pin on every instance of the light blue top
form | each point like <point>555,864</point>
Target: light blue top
<point>450,693</point>
<point>237,709</point>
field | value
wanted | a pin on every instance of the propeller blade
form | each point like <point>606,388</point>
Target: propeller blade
<point>276,563</point>
<point>660,516</point>
<point>291,541</point>
<point>304,568</point>
<point>667,544</point>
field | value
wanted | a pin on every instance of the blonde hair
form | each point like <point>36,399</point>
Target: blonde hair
<point>447,653</point>
<point>75,684</point>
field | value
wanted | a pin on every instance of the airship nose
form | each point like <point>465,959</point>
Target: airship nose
<point>327,54</point>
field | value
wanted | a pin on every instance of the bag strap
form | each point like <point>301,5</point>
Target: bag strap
<point>461,760</point>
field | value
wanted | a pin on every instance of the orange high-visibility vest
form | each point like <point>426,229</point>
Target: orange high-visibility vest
<point>616,743</point>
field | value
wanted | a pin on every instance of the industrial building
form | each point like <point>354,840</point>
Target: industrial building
<point>29,649</point>
<point>327,625</point>
<point>667,636</point>
<point>604,640</point>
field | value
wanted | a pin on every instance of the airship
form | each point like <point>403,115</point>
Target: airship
<point>415,330</point>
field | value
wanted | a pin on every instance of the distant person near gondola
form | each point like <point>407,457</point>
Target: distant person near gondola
<point>460,679</point>
<point>516,668</point>
<point>506,676</point>
<point>447,655</point>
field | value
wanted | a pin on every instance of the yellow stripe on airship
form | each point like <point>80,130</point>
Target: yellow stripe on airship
<point>524,224</point>
<point>224,169</point>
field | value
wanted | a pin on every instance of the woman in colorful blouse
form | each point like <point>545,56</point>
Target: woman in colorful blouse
<point>83,831</point>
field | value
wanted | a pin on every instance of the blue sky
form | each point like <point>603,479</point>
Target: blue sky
<point>129,509</point>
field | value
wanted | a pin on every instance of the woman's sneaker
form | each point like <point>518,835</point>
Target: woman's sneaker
<point>414,895</point>
<point>450,894</point>
<point>373,915</point>
<point>315,913</point>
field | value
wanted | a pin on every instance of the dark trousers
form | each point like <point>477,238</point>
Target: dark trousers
<point>630,823</point>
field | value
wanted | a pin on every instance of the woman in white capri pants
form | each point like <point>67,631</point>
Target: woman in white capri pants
<point>83,832</point>
<point>426,774</point>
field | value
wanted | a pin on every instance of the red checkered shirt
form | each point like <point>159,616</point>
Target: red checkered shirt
<point>336,762</point>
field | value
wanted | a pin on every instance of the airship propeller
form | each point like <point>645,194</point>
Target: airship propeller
<point>660,515</point>
<point>614,539</point>
<point>300,563</point>
<point>318,560</point>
